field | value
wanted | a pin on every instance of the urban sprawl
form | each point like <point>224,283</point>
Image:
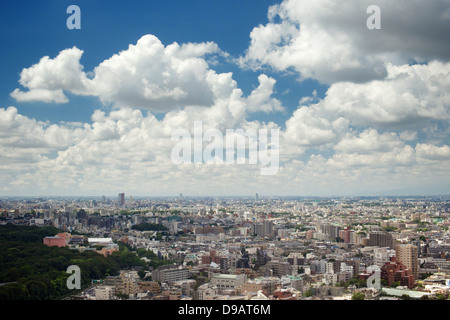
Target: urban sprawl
<point>255,248</point>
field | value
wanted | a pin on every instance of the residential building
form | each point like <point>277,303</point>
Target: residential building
<point>212,257</point>
<point>129,284</point>
<point>60,240</point>
<point>104,292</point>
<point>266,285</point>
<point>296,258</point>
<point>278,268</point>
<point>228,281</point>
<point>151,287</point>
<point>381,239</point>
<point>380,256</point>
<point>408,254</point>
<point>395,271</point>
<point>170,273</point>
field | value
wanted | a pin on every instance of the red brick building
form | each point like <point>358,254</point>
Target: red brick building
<point>212,257</point>
<point>283,295</point>
<point>60,240</point>
<point>395,271</point>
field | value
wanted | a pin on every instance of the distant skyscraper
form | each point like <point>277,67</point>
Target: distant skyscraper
<point>121,199</point>
<point>256,197</point>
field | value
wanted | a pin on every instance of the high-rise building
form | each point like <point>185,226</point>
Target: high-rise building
<point>381,239</point>
<point>263,229</point>
<point>268,228</point>
<point>331,231</point>
<point>409,256</point>
<point>121,199</point>
<point>344,234</point>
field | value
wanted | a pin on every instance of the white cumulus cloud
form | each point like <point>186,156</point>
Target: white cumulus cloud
<point>329,41</point>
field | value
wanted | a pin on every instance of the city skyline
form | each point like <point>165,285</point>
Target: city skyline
<point>270,250</point>
<point>360,111</point>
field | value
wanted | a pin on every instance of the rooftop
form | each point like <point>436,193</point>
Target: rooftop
<point>400,292</point>
<point>226,276</point>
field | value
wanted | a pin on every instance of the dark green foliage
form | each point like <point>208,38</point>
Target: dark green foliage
<point>358,296</point>
<point>35,271</point>
<point>154,262</point>
<point>32,270</point>
<point>10,232</point>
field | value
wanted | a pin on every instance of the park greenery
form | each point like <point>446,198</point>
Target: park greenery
<point>149,227</point>
<point>30,270</point>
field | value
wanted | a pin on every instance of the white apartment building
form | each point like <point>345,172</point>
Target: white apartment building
<point>346,268</point>
<point>228,281</point>
<point>329,267</point>
<point>380,256</point>
<point>104,292</point>
<point>330,278</point>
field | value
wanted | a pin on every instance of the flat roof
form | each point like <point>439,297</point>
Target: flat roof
<point>100,240</point>
<point>226,276</point>
<point>400,292</point>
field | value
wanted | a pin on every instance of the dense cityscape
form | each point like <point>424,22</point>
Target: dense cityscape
<point>248,248</point>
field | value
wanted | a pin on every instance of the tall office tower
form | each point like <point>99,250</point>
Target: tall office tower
<point>256,197</point>
<point>409,256</point>
<point>121,199</point>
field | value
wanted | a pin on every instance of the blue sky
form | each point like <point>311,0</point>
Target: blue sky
<point>91,111</point>
<point>38,28</point>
